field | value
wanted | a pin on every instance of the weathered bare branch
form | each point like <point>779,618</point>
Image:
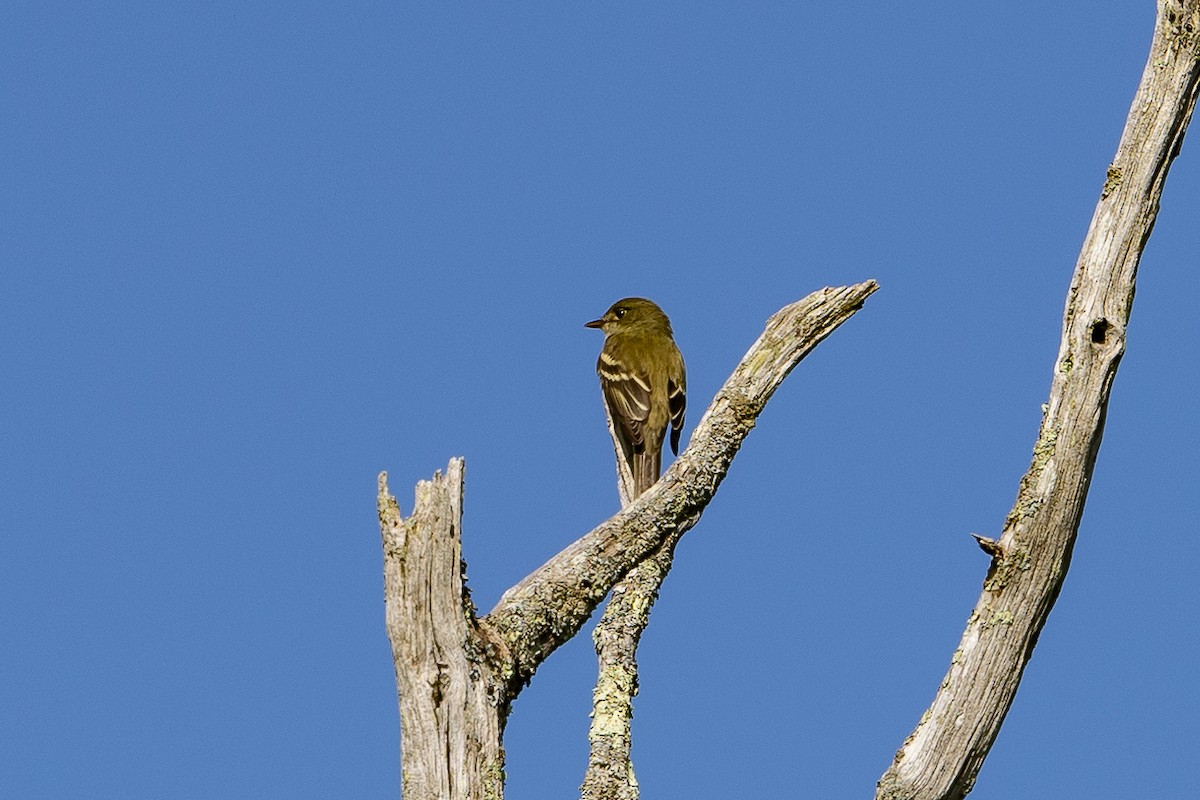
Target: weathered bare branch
<point>549,606</point>
<point>457,675</point>
<point>942,756</point>
<point>610,769</point>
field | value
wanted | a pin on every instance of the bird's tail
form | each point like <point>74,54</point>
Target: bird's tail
<point>646,467</point>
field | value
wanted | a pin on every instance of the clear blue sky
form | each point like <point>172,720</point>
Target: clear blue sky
<point>252,254</point>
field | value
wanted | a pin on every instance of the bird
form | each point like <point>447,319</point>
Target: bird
<point>644,384</point>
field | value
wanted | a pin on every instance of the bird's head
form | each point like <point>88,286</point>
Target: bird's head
<point>632,314</point>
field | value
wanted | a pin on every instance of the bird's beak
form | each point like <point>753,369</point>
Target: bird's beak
<point>596,323</point>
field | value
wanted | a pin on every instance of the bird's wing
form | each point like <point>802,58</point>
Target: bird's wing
<point>677,405</point>
<point>627,395</point>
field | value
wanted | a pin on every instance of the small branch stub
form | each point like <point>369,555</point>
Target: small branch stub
<point>989,546</point>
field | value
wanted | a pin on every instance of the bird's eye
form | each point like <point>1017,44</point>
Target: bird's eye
<point>620,312</point>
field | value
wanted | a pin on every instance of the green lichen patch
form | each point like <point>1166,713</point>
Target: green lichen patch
<point>989,617</point>
<point>1016,561</point>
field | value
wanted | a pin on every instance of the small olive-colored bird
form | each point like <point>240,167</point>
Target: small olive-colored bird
<point>644,384</point>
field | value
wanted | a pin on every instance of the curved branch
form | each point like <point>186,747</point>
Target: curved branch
<point>942,756</point>
<point>550,605</point>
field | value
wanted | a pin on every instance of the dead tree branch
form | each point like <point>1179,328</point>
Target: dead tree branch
<point>550,605</point>
<point>942,756</point>
<point>610,767</point>
<point>456,674</point>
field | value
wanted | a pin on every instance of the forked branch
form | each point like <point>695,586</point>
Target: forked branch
<point>549,606</point>
<point>456,674</point>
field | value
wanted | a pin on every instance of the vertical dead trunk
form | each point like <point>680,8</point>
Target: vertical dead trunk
<point>452,703</point>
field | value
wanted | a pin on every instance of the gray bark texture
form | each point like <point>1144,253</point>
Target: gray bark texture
<point>942,756</point>
<point>456,673</point>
